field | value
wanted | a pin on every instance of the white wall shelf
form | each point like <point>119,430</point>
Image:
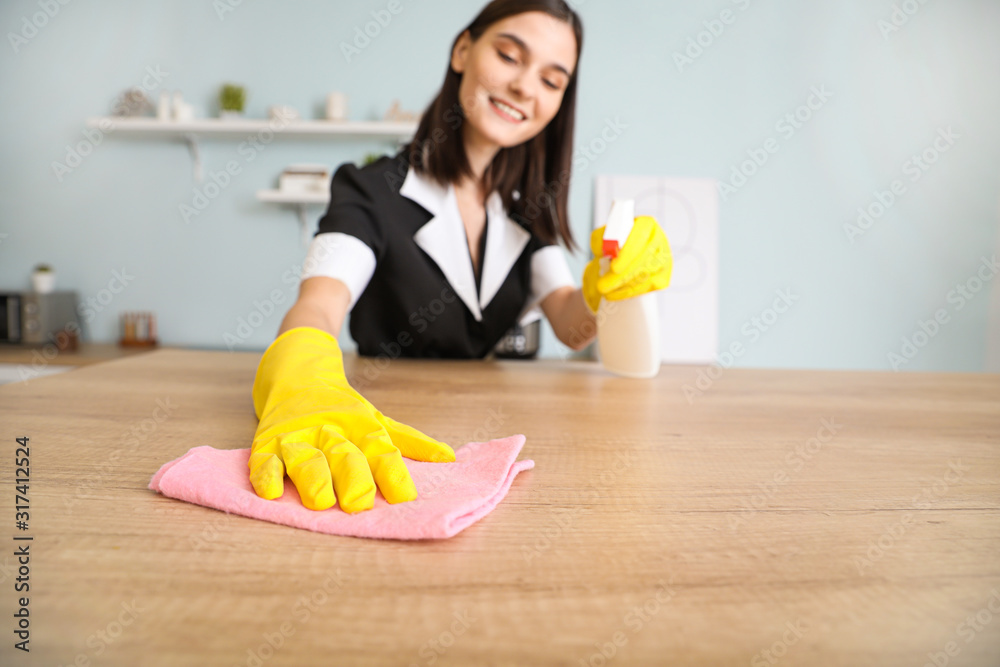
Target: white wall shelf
<point>216,127</point>
<point>300,201</point>
<point>191,131</point>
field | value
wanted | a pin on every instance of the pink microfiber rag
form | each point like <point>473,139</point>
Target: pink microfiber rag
<point>452,496</point>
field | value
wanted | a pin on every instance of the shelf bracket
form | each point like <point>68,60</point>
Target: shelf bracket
<point>303,224</point>
<point>192,142</point>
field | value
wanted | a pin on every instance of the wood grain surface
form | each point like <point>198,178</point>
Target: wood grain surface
<point>36,357</point>
<point>763,517</point>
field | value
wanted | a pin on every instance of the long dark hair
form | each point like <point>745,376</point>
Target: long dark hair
<point>538,169</point>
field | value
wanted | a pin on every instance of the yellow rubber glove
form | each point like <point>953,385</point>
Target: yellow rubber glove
<point>330,440</point>
<point>644,264</point>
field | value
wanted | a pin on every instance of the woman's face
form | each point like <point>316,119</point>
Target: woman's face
<point>514,76</point>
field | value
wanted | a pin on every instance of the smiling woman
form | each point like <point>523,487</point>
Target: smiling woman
<point>469,216</point>
<point>506,111</point>
<point>438,251</point>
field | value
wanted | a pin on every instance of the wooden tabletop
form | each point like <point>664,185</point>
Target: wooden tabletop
<point>39,356</point>
<point>706,516</point>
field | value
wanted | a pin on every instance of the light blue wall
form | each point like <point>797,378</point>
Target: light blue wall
<point>783,230</point>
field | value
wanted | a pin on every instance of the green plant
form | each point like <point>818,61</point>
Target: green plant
<point>371,157</point>
<point>232,97</point>
<point>43,268</point>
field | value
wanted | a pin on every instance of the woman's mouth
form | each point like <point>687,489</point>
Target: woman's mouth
<point>507,112</point>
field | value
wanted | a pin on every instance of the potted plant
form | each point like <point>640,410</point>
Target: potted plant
<point>43,279</point>
<point>231,101</point>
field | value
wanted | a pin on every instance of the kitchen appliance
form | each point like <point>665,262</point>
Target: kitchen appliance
<point>520,342</point>
<point>33,318</point>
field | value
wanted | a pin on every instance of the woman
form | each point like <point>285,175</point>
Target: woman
<point>437,252</point>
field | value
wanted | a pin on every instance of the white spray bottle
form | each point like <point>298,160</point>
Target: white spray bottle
<point>628,331</point>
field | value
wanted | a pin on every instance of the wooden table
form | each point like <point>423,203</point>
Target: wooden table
<point>39,356</point>
<point>769,517</point>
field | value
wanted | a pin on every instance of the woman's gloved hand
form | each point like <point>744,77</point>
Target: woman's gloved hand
<point>330,440</point>
<point>644,264</point>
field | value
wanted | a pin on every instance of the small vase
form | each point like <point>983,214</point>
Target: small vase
<point>43,281</point>
<point>226,114</point>
<point>336,106</point>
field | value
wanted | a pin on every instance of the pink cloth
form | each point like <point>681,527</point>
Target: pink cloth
<point>452,496</point>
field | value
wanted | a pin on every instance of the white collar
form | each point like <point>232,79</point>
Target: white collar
<point>445,240</point>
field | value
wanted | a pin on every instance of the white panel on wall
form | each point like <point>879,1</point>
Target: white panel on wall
<point>993,327</point>
<point>688,211</point>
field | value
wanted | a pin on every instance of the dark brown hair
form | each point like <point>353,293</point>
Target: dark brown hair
<point>538,169</point>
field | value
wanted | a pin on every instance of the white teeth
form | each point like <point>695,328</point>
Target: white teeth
<point>508,109</point>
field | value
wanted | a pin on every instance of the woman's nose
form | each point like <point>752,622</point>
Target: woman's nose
<point>521,91</point>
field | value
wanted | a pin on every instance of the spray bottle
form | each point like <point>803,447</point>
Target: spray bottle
<point>628,330</point>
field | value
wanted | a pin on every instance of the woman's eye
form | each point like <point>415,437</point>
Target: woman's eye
<point>550,84</point>
<point>505,57</point>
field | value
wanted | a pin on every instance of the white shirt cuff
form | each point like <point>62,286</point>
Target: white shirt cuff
<point>341,256</point>
<point>549,272</point>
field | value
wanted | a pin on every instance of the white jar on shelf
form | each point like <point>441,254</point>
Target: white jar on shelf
<point>43,280</point>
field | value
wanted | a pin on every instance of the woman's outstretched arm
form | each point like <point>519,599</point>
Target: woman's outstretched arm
<point>322,303</point>
<point>573,323</point>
